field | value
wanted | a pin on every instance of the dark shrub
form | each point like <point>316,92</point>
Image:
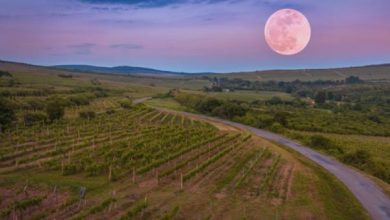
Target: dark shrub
<point>35,104</point>
<point>353,80</point>
<point>274,101</point>
<point>110,112</point>
<point>320,97</point>
<point>207,105</point>
<point>322,143</point>
<point>70,169</point>
<point>32,118</point>
<point>55,108</point>
<point>87,114</point>
<point>5,73</point>
<point>79,100</point>
<point>229,110</point>
<point>319,141</point>
<point>358,158</point>
<point>7,114</point>
<point>127,104</point>
<point>281,118</point>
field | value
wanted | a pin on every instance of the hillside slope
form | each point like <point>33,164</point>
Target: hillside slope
<point>372,72</point>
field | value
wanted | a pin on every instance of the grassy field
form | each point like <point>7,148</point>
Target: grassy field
<point>246,96</point>
<point>30,74</point>
<point>168,103</point>
<point>374,73</point>
<point>378,146</point>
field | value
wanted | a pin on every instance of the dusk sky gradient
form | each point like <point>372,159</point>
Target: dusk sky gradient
<point>190,35</point>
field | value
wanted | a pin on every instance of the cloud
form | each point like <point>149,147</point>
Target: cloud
<point>155,3</point>
<point>127,46</point>
<point>84,45</point>
<point>83,49</point>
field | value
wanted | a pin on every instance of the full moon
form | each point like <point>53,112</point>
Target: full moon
<point>287,31</point>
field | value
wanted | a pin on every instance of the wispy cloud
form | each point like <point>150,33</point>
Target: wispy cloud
<point>84,45</point>
<point>155,3</point>
<point>127,46</point>
<point>83,49</point>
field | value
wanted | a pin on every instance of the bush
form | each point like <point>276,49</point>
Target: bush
<point>362,159</point>
<point>55,109</point>
<point>31,118</point>
<point>274,101</point>
<point>359,158</point>
<point>95,169</point>
<point>5,73</point>
<point>79,100</point>
<point>110,112</point>
<point>70,169</point>
<point>207,105</point>
<point>276,127</point>
<point>319,141</point>
<point>127,104</point>
<point>87,114</point>
<point>7,114</point>
<point>281,118</point>
<point>35,104</point>
<point>353,80</point>
<point>229,110</point>
<point>322,143</point>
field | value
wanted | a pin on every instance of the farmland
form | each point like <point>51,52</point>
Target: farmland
<point>81,148</point>
<point>144,164</point>
<point>373,72</point>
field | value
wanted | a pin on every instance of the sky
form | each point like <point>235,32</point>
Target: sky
<point>190,35</point>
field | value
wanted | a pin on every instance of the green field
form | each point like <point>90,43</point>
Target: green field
<point>153,157</point>
<point>374,73</point>
<point>242,95</point>
<point>137,162</point>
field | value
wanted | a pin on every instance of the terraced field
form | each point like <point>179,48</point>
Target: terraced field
<point>147,164</point>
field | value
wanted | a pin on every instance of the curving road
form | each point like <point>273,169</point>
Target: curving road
<point>371,196</point>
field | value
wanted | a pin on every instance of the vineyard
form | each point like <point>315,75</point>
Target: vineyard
<point>81,147</point>
<point>131,153</point>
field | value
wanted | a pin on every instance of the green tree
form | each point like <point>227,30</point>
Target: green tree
<point>55,109</point>
<point>353,80</point>
<point>281,118</point>
<point>31,118</point>
<point>7,114</point>
<point>320,97</point>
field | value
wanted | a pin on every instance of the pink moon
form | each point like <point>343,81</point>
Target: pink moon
<point>287,32</point>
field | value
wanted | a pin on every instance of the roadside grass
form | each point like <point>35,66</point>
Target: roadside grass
<point>246,96</point>
<point>376,150</point>
<point>377,146</point>
<point>168,103</point>
<point>338,201</point>
<point>94,185</point>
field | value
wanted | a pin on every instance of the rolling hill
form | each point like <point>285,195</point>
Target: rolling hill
<point>118,70</point>
<point>371,72</point>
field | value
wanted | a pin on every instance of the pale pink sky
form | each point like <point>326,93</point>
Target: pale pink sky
<point>185,36</point>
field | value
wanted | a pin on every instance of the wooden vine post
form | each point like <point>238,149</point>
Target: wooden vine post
<point>109,173</point>
<point>181,181</point>
<point>62,167</point>
<point>158,179</point>
<point>134,175</point>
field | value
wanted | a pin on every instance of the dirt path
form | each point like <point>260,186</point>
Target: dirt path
<point>371,196</point>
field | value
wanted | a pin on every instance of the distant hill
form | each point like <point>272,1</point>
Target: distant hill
<point>371,72</point>
<point>126,70</point>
